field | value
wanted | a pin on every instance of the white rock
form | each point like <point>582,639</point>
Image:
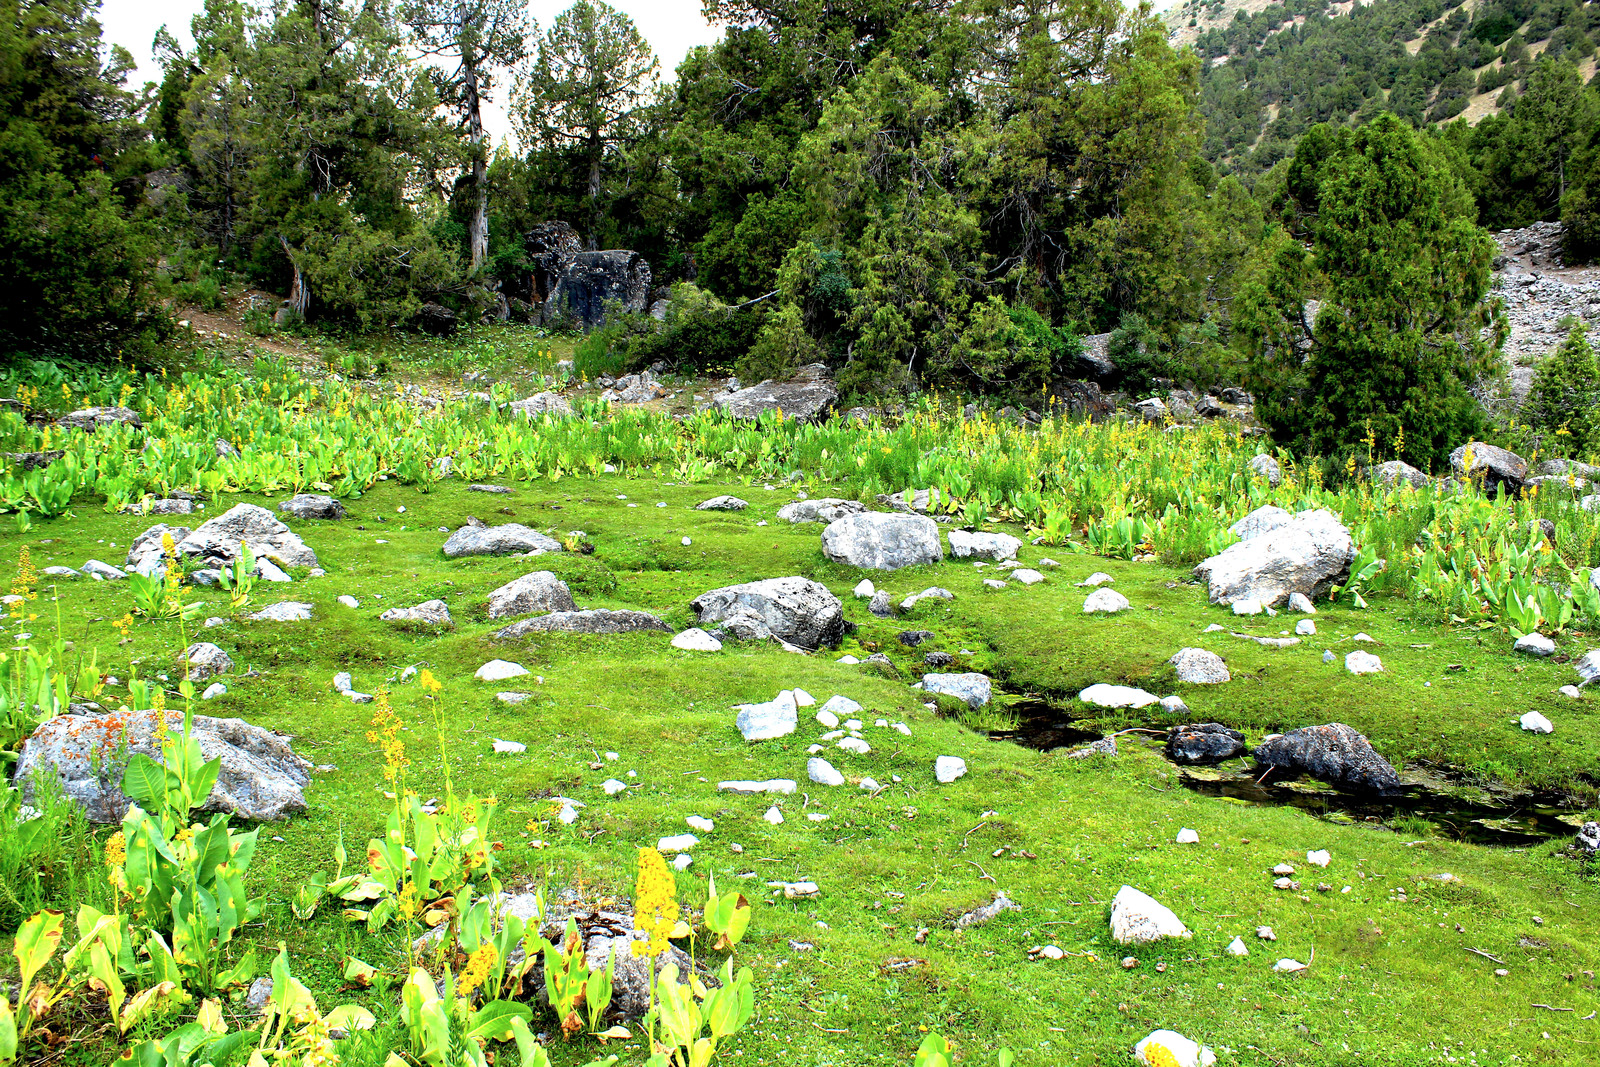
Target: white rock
<point>1198,666</point>
<point>1187,836</point>
<point>677,843</point>
<point>213,691</point>
<point>1213,628</point>
<point>1359,662</point>
<point>1364,639</point>
<point>840,706</point>
<point>749,788</point>
<point>990,546</point>
<point>1107,601</point>
<point>1174,705</point>
<point>1248,607</point>
<point>856,745</point>
<point>773,815</point>
<point>881,722</point>
<point>1305,628</point>
<point>1319,857</point>
<point>1265,933</point>
<point>1179,1051</point>
<point>1236,947</point>
<point>822,772</point>
<point>803,699</point>
<point>766,722</point>
<point>1027,576</point>
<point>947,769</point>
<point>1097,578</point>
<point>612,787</point>
<point>498,670</point>
<point>681,861</point>
<point>1570,691</point>
<point>696,640</point>
<point>1301,603</point>
<point>869,785</point>
<point>847,660</point>
<point>687,542</point>
<point>994,583</point>
<point>1534,644</point>
<point>865,589</point>
<point>698,822</point>
<point>342,682</point>
<point>1138,918</point>
<point>852,724</point>
<point>813,750</point>
<point>1117,696</point>
<point>1283,868</point>
<point>1288,966</point>
<point>510,697</point>
<point>349,601</point>
<point>827,718</point>
<point>1535,723</point>
<point>903,728</point>
<point>509,747</point>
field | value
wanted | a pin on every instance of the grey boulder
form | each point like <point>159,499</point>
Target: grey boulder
<point>882,541</point>
<point>992,546</point>
<point>597,621</point>
<point>822,509</point>
<point>434,613</point>
<point>206,660</point>
<point>216,541</point>
<point>541,404</point>
<point>505,540</point>
<point>722,503</point>
<point>807,396</point>
<point>1335,753</point>
<point>94,418</point>
<point>1398,472</point>
<point>1264,466</point>
<point>260,778</point>
<point>972,688</point>
<point>1198,666</point>
<point>1206,742</point>
<point>538,591</point>
<point>312,506</point>
<point>1495,467</point>
<point>1307,555</point>
<point>796,610</point>
<point>146,555</point>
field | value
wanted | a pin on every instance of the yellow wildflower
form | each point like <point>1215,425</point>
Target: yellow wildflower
<point>655,905</point>
<point>476,971</point>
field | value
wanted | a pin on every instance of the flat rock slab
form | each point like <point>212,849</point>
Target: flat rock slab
<point>992,546</point>
<point>508,539</point>
<point>722,503</point>
<point>780,786</point>
<point>288,611</point>
<point>1335,753</point>
<point>795,610</point>
<point>597,621</point>
<point>1206,742</point>
<point>695,639</point>
<point>498,670</point>
<point>260,778</point>
<point>537,591</point>
<point>484,487</point>
<point>809,396</point>
<point>312,506</point>
<point>821,509</point>
<point>1104,695</point>
<point>434,613</point>
<point>971,688</point>
<point>882,541</point>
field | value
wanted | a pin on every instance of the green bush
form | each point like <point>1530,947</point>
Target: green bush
<point>1134,348</point>
<point>1564,403</point>
<point>781,348</point>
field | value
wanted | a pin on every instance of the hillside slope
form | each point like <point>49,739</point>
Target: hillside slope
<point>1273,68</point>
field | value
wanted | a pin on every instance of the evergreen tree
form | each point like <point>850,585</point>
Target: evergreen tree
<point>1400,271</point>
<point>1564,401</point>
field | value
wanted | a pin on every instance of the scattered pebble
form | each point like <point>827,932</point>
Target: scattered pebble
<point>1187,836</point>
<point>612,787</point>
<point>700,823</point>
<point>773,815</point>
<point>947,769</point>
<point>509,747</point>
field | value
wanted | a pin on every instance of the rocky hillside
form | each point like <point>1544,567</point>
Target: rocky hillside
<point>1273,68</point>
<point>1540,293</point>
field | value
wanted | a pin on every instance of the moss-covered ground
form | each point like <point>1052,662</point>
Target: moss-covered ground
<point>1398,970</point>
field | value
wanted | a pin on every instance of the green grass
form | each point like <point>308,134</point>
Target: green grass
<point>1391,982</point>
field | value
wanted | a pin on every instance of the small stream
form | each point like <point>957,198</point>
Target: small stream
<point>1475,816</point>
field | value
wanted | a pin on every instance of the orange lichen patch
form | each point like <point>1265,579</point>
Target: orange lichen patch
<point>85,734</point>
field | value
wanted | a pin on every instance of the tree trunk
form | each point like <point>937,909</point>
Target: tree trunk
<point>596,150</point>
<point>299,293</point>
<point>478,228</point>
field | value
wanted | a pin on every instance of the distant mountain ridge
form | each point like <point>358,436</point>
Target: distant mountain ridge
<point>1274,68</point>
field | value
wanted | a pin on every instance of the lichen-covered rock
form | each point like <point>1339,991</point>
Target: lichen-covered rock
<point>537,591</point>
<point>882,541</point>
<point>597,621</point>
<point>94,418</point>
<point>1264,466</point>
<point>807,396</point>
<point>796,610</point>
<point>429,613</point>
<point>1199,666</point>
<point>260,777</point>
<point>1398,472</point>
<point>216,541</point>
<point>991,546</point>
<point>972,688</point>
<point>312,506</point>
<point>822,509</point>
<point>541,404</point>
<point>1335,753</point>
<point>206,660</point>
<point>1306,554</point>
<point>1206,742</point>
<point>504,540</point>
<point>1493,467</point>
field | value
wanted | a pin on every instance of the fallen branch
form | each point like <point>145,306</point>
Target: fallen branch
<point>1485,955</point>
<point>1547,1007</point>
<point>983,875</point>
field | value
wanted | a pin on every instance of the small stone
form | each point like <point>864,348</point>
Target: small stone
<point>1535,723</point>
<point>1187,836</point>
<point>1174,705</point>
<point>855,745</point>
<point>1265,933</point>
<point>947,769</point>
<point>512,697</point>
<point>1236,947</point>
<point>687,542</point>
<point>612,787</point>
<point>1364,639</point>
<point>1198,666</point>
<point>1301,603</point>
<point>1117,696</point>
<point>696,640</point>
<point>213,691</point>
<point>994,583</point>
<point>677,843</point>
<point>498,670</point>
<point>1534,644</point>
<point>1288,966</point>
<point>1328,656</point>
<point>865,589</point>
<point>869,785</point>
<point>342,682</point>
<point>1105,601</point>
<point>510,748</point>
<point>1282,869</point>
<point>823,773</point>
<point>750,788</point>
<point>1097,578</point>
<point>1319,857</point>
<point>1138,918</point>
<point>803,699</point>
<point>1571,691</point>
<point>1359,662</point>
<point>1305,628</point>
<point>349,601</point>
<point>773,815</point>
<point>836,706</point>
<point>1027,577</point>
<point>681,861</point>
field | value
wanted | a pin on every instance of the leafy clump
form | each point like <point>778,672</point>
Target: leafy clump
<point>1564,402</point>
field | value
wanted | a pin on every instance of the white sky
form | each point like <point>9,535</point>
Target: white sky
<point>671,26</point>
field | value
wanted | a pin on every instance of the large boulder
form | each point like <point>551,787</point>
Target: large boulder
<point>597,621</point>
<point>796,610</point>
<point>32,461</point>
<point>589,280</point>
<point>822,509</point>
<point>216,541</point>
<point>260,776</point>
<point>146,554</point>
<point>1494,467</point>
<point>1398,472</point>
<point>435,319</point>
<point>1307,555</point>
<point>882,541</point>
<point>1335,753</point>
<point>971,688</point>
<point>94,418</point>
<point>504,540</point>
<point>993,546</point>
<point>1199,666</point>
<point>807,396</point>
<point>539,591</point>
<point>638,388</point>
<point>312,506</point>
